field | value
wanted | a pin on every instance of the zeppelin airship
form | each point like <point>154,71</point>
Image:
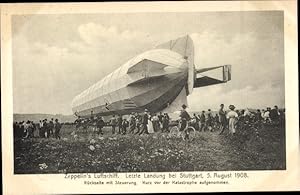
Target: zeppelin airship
<point>158,80</point>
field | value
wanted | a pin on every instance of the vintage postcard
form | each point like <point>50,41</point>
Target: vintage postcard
<point>149,97</point>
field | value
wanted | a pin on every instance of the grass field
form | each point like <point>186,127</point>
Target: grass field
<point>247,150</point>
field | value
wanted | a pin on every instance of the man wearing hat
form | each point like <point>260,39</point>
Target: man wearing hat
<point>202,121</point>
<point>113,122</point>
<point>274,114</point>
<point>100,124</point>
<point>222,118</point>
<point>233,117</point>
<point>138,123</point>
<point>51,127</point>
<point>145,118</point>
<point>119,122</point>
<point>185,117</point>
<point>46,128</point>
<point>57,127</point>
<point>209,120</point>
<point>132,122</point>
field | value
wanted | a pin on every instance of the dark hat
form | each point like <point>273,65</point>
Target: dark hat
<point>231,107</point>
<point>183,106</point>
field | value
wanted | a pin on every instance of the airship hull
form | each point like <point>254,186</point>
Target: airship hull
<point>154,98</point>
<point>158,79</point>
<point>150,83</point>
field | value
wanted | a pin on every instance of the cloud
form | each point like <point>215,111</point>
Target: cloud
<point>49,72</point>
<point>39,47</point>
<point>211,97</point>
<point>55,74</point>
<point>111,45</point>
<point>93,33</point>
<point>257,70</point>
<point>255,59</point>
<point>46,78</point>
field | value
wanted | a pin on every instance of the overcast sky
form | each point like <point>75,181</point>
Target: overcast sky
<point>55,57</point>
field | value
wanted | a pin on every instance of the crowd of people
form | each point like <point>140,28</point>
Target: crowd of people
<point>45,129</point>
<point>145,123</point>
<point>222,120</point>
<point>135,123</point>
<point>232,119</point>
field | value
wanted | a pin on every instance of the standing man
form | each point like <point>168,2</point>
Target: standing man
<point>92,115</point>
<point>120,123</point>
<point>267,115</point>
<point>42,125</point>
<point>156,123</point>
<point>202,121</point>
<point>258,117</point>
<point>282,118</point>
<point>222,118</point>
<point>196,122</point>
<point>185,117</point>
<point>40,128</point>
<point>32,129</point>
<point>46,128</point>
<point>274,114</point>
<point>138,123</point>
<point>26,129</point>
<point>168,119</point>
<point>100,124</point>
<point>22,129</point>
<point>77,123</point>
<point>165,123</point>
<point>125,124</point>
<point>160,119</point>
<point>57,127</point>
<point>132,123</point>
<point>209,120</point>
<point>113,122</point>
<point>145,118</point>
<point>50,127</point>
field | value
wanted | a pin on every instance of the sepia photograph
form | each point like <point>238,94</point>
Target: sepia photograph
<point>149,97</point>
<point>148,92</point>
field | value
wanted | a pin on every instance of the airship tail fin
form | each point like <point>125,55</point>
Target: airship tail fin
<point>212,75</point>
<point>185,47</point>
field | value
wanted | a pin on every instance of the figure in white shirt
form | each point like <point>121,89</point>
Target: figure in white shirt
<point>150,125</point>
<point>233,117</point>
<point>267,115</point>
